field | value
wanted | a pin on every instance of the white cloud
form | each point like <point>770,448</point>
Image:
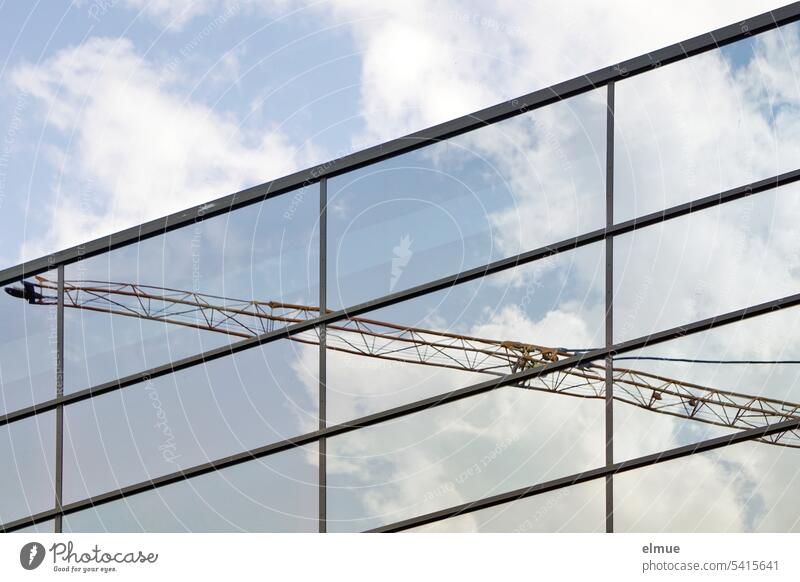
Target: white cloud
<point>462,451</point>
<point>138,147</point>
<point>174,14</point>
<point>564,326</point>
<point>427,62</point>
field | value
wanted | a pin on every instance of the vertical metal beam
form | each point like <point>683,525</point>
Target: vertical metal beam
<point>609,323</point>
<point>323,363</point>
<point>59,469</point>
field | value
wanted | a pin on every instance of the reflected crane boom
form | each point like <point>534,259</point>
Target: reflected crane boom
<point>393,342</point>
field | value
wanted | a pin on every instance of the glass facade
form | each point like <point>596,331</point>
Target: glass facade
<point>580,316</point>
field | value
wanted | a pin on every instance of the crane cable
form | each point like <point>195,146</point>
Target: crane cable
<point>684,360</point>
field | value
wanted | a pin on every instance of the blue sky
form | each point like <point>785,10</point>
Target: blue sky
<point>278,73</point>
<point>317,78</point>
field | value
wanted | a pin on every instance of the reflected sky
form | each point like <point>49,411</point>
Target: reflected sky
<point>707,124</point>
<point>28,337</point>
<point>748,487</point>
<point>27,456</point>
<point>513,186</point>
<point>275,494</point>
<point>267,251</point>
<point>683,131</point>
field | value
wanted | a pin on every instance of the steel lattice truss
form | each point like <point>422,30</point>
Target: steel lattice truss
<point>389,341</point>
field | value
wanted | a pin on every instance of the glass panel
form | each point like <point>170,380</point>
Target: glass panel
<point>28,339</point>
<point>200,414</point>
<point>705,385</point>
<point>749,487</point>
<point>513,186</point>
<point>27,456</point>
<point>466,334</point>
<point>639,432</point>
<point>712,122</point>
<point>576,509</point>
<point>708,263</point>
<point>477,447</point>
<point>274,494</point>
<point>136,308</point>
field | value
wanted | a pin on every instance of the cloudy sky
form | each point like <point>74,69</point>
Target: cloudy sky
<point>118,112</point>
<point>115,112</point>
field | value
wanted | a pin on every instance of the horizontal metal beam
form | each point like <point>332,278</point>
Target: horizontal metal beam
<point>600,472</point>
<point>414,292</point>
<point>576,86</point>
<point>411,408</point>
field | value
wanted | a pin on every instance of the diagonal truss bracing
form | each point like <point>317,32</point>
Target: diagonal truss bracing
<point>392,342</point>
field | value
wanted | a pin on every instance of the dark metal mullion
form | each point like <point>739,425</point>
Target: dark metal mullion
<point>419,406</point>
<point>323,359</point>
<point>600,472</point>
<point>576,86</point>
<point>418,291</point>
<point>59,452</point>
<point>609,297</point>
